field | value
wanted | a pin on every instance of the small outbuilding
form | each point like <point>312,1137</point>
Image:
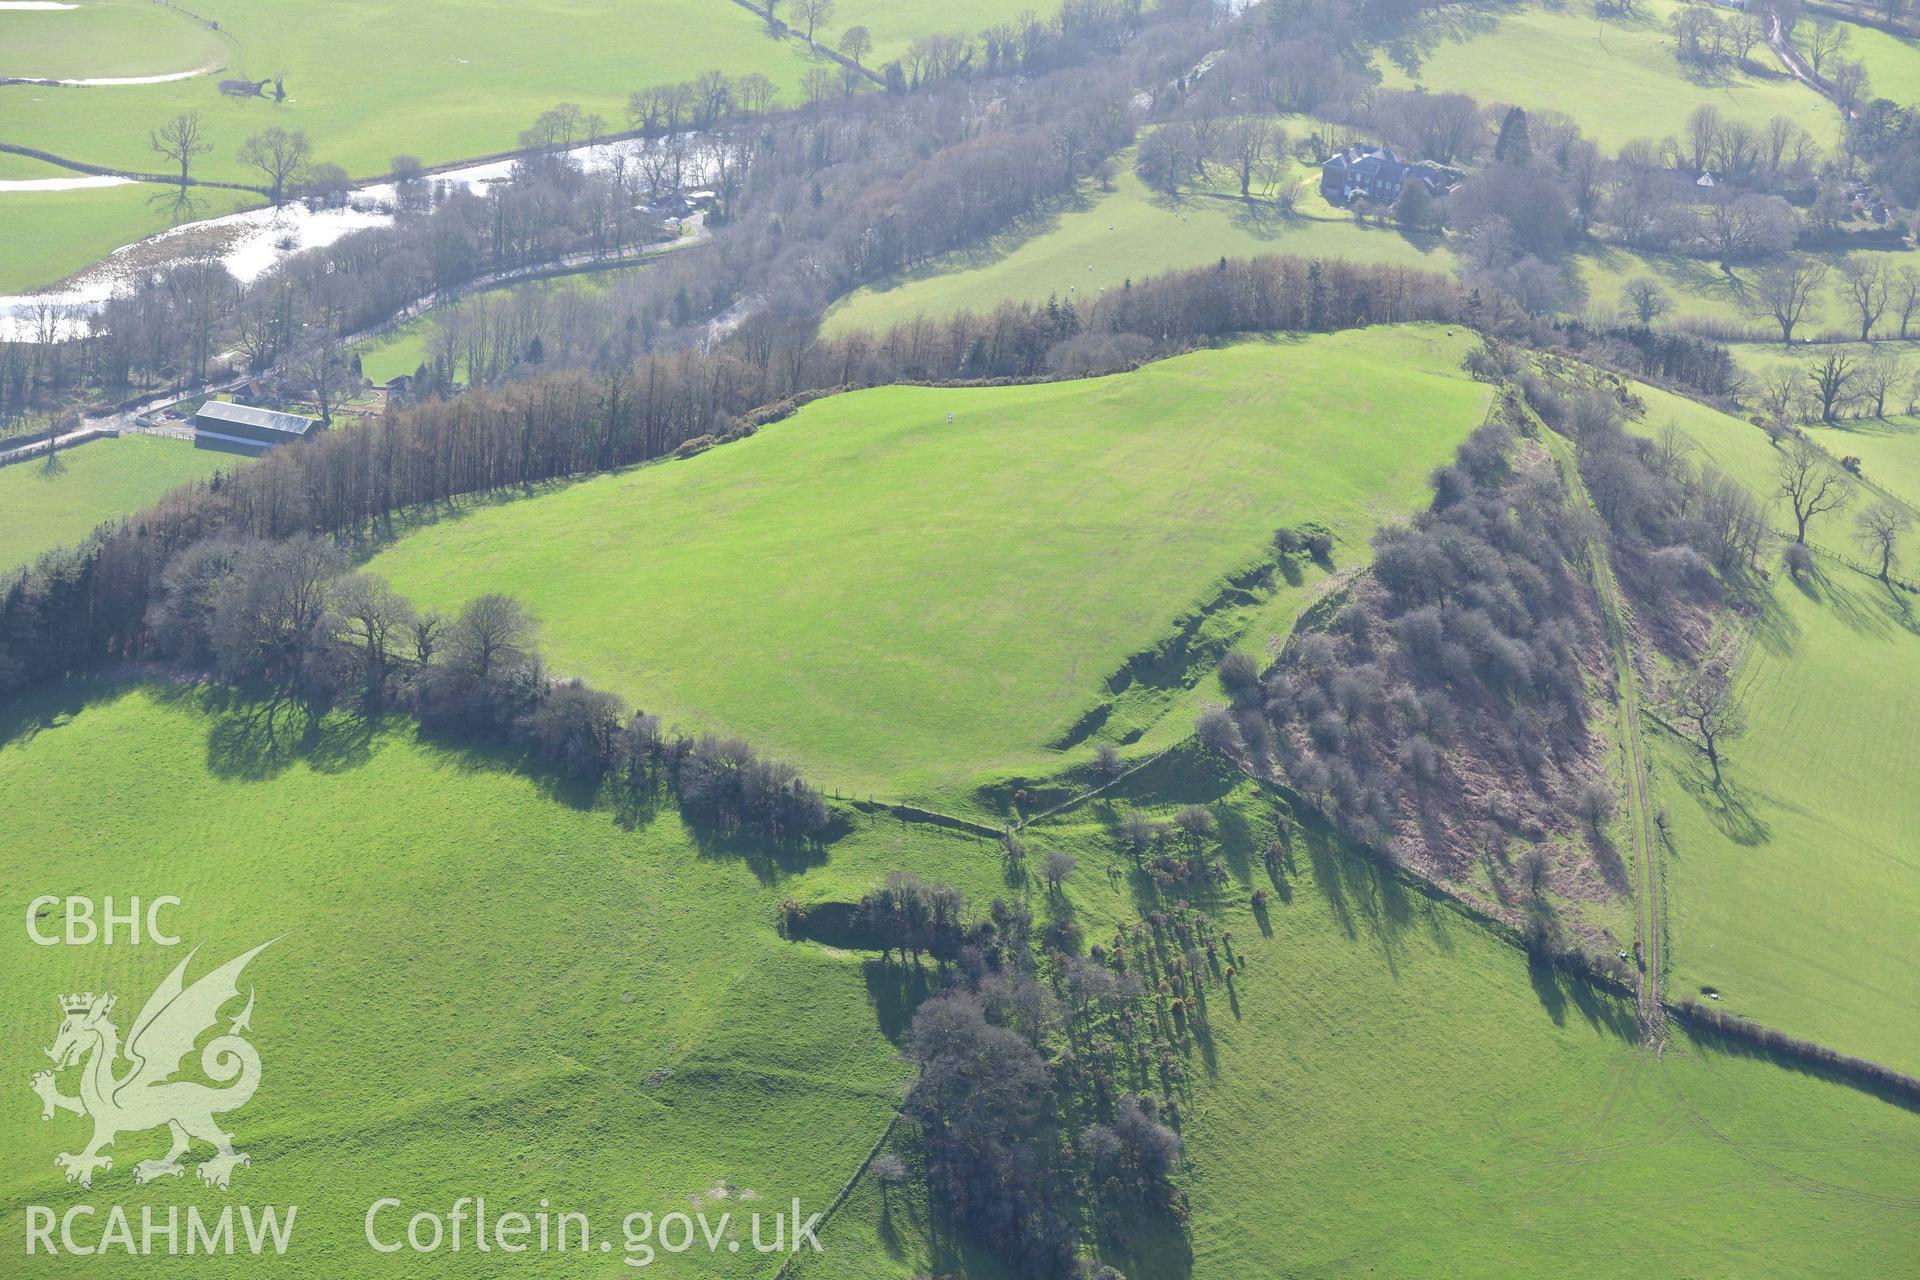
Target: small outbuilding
<point>244,428</point>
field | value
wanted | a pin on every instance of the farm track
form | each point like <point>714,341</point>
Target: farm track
<point>1647,921</point>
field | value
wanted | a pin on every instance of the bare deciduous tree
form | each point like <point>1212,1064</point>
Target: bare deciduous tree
<point>856,43</point>
<point>321,368</point>
<point>1879,529</point>
<point>1866,283</point>
<point>180,140</point>
<point>280,155</point>
<point>814,13</point>
<point>1646,299</point>
<point>1878,377</point>
<point>817,84</point>
<point>1824,39</point>
<point>1708,703</point>
<point>1244,145</point>
<point>1906,297</point>
<point>1811,484</point>
<point>1786,291</point>
<point>1832,377</point>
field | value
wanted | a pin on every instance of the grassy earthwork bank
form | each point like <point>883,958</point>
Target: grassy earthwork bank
<point>808,586</point>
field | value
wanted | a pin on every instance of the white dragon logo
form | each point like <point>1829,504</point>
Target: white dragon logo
<point>148,1096</point>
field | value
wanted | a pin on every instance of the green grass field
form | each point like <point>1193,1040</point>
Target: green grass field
<point>895,24</point>
<point>96,482</point>
<point>53,234</point>
<point>1789,882</point>
<point>1889,453</point>
<point>368,79</point>
<point>16,166</point>
<point>1892,62</point>
<point>808,586</point>
<point>1701,290</point>
<point>1393,1092</point>
<point>1619,79</point>
<point>1784,885</point>
<point>1103,239</point>
<point>478,989</point>
<point>105,38</point>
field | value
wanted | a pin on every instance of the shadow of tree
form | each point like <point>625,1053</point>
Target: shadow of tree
<point>1727,806</point>
<point>24,717</point>
<point>895,991</point>
<point>255,734</point>
<point>1607,860</point>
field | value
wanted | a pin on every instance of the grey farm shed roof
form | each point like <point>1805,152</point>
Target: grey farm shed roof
<point>252,416</point>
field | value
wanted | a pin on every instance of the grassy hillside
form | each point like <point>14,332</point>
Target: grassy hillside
<point>810,587</point>
<point>95,482</point>
<point>478,988</point>
<point>1102,239</point>
<point>1892,62</point>
<point>1783,885</point>
<point>1788,883</point>
<point>1889,453</point>
<point>1393,1092</point>
<point>1702,290</point>
<point>1619,78</point>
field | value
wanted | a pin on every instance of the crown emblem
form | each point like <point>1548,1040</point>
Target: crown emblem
<point>78,1003</point>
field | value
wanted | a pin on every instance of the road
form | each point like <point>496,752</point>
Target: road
<point>1790,58</point>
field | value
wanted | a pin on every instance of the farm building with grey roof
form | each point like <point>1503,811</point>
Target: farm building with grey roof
<point>244,428</point>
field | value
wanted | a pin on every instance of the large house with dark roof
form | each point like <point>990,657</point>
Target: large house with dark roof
<point>242,428</point>
<point>1377,174</point>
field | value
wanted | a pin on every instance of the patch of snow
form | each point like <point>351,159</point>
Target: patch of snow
<point>107,82</point>
<point>10,185</point>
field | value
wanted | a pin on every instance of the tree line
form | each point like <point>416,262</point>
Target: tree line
<point>78,607</point>
<point>290,618</point>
